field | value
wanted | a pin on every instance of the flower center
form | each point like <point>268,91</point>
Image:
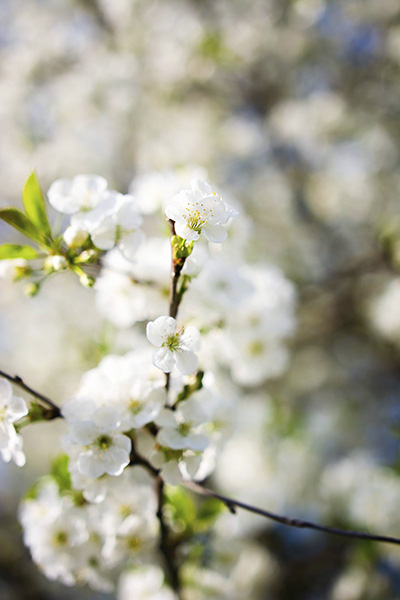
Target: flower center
<point>60,538</point>
<point>3,411</point>
<point>173,342</point>
<point>104,442</point>
<point>135,406</point>
<point>256,348</point>
<point>184,428</point>
<point>133,543</point>
<point>125,510</point>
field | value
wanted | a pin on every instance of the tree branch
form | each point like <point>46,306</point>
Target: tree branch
<point>233,504</point>
<point>55,410</point>
<point>166,549</point>
<point>230,503</point>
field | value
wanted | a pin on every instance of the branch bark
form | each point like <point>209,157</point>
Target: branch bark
<point>55,410</point>
<point>232,504</point>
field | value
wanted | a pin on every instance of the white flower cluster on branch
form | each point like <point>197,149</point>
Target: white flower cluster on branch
<point>143,422</point>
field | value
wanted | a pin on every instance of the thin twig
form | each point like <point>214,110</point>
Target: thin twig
<point>17,380</point>
<point>233,504</point>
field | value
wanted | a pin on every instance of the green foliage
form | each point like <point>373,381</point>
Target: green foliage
<point>181,506</point>
<point>17,219</point>
<point>35,207</point>
<point>33,223</point>
<point>17,251</point>
<point>59,471</point>
<point>188,517</point>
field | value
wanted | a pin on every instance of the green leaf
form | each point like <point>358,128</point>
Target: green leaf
<point>209,510</point>
<point>17,219</point>
<point>17,251</point>
<point>35,207</point>
<point>181,505</point>
<point>60,472</point>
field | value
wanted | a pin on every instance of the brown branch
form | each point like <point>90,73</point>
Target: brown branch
<point>233,504</point>
<point>166,549</point>
<point>55,410</point>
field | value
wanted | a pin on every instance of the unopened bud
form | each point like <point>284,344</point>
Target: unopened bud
<point>55,263</point>
<point>87,280</point>
<point>74,237</point>
<point>31,289</point>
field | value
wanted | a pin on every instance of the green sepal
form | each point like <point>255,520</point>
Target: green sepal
<point>182,248</point>
<point>10,251</point>
<point>35,207</point>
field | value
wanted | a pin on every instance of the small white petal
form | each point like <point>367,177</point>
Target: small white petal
<point>160,330</point>
<point>171,473</point>
<point>166,418</point>
<point>5,391</point>
<point>186,232</point>
<point>186,361</point>
<point>16,408</point>
<point>215,233</point>
<point>191,338</point>
<point>164,359</point>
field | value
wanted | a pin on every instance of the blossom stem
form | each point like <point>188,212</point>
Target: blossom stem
<point>232,505</point>
<point>55,411</point>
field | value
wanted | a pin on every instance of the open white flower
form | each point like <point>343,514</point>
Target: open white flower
<point>176,346</point>
<point>81,193</point>
<point>199,210</point>
<point>12,408</point>
<point>101,448</point>
<point>142,405</point>
<point>179,428</point>
<point>113,221</point>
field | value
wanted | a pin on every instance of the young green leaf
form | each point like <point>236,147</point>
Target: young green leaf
<point>17,251</point>
<point>17,219</point>
<point>35,207</point>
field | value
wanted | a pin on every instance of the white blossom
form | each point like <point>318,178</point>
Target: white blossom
<point>197,211</point>
<point>12,408</point>
<point>144,583</point>
<point>176,346</point>
<point>82,193</point>
<point>179,427</point>
<point>95,431</point>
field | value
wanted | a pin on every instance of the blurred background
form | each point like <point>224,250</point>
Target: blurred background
<point>293,107</point>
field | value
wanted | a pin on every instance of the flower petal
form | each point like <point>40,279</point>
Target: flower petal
<point>160,330</point>
<point>186,361</point>
<point>164,359</point>
<point>214,233</point>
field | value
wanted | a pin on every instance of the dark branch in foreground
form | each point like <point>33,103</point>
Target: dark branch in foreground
<point>165,548</point>
<point>55,410</point>
<point>232,504</point>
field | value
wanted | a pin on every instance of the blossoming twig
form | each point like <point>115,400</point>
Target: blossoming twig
<point>233,504</point>
<point>55,410</point>
<point>230,503</point>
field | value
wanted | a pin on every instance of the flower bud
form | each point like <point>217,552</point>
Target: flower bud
<point>87,280</point>
<point>31,289</point>
<point>74,237</point>
<point>55,263</point>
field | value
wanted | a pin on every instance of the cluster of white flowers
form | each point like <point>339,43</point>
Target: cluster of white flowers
<point>79,542</point>
<point>12,408</point>
<point>167,405</point>
<point>110,218</point>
